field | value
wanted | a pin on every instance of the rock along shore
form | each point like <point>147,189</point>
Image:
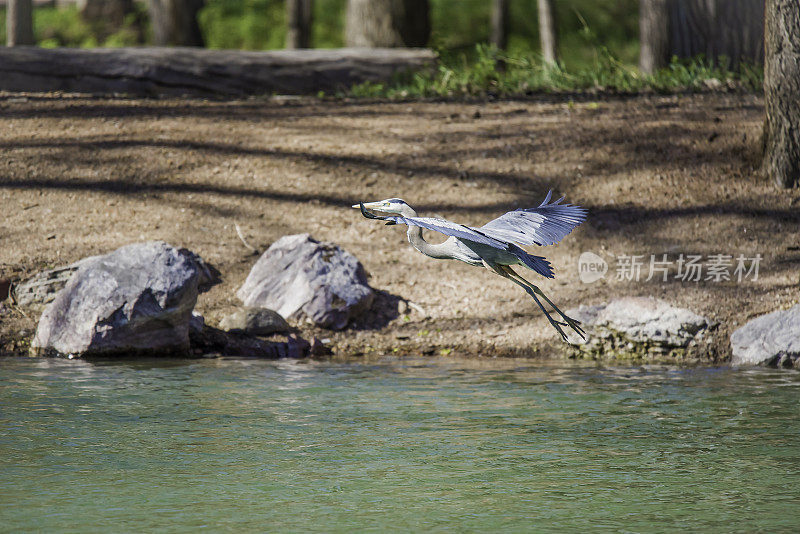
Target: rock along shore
<point>139,300</point>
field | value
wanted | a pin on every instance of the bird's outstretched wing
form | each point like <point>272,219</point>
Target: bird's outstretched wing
<point>439,225</point>
<point>546,224</point>
<point>452,229</point>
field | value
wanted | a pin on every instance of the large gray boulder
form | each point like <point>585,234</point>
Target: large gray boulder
<point>633,327</point>
<point>41,289</point>
<point>301,278</point>
<point>772,339</point>
<point>138,298</point>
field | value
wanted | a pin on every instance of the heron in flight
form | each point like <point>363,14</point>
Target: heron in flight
<point>495,244</point>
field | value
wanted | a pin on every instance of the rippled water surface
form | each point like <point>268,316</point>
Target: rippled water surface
<point>395,445</point>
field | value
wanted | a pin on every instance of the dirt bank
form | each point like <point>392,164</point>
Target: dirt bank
<point>660,175</point>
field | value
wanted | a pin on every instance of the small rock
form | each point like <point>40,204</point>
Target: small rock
<point>255,321</point>
<point>636,326</point>
<point>300,277</point>
<point>297,347</point>
<point>772,339</point>
<point>138,298</point>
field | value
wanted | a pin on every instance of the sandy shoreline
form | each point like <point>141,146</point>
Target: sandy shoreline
<point>659,174</point>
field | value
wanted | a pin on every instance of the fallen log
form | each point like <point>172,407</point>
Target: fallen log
<point>192,71</point>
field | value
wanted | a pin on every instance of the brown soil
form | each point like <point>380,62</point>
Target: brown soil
<point>659,174</point>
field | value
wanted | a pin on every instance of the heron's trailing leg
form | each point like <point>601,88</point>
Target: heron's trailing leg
<point>499,269</point>
<point>572,323</point>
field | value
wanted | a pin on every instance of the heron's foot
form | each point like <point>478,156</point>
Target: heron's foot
<point>533,291</point>
<point>557,325</point>
<point>568,321</point>
<point>575,325</point>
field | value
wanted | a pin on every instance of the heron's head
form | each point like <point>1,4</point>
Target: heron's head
<point>390,206</point>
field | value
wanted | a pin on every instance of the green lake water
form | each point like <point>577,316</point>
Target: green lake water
<point>396,445</point>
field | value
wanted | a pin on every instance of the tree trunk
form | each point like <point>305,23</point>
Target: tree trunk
<point>547,32</point>
<point>198,71</point>
<point>299,15</point>
<point>725,32</point>
<point>105,17</point>
<point>782,92</point>
<point>175,22</point>
<point>499,36</point>
<point>387,23</point>
<point>19,23</point>
<point>716,28</point>
<point>653,35</point>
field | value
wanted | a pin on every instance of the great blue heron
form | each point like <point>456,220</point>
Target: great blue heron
<point>493,245</point>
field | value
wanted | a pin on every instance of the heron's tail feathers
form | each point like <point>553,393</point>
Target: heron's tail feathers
<point>535,263</point>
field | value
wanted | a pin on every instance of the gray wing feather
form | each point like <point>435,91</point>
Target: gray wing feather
<point>452,229</point>
<point>546,224</point>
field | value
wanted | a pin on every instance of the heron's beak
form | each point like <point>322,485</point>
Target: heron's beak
<point>368,205</point>
<point>369,214</point>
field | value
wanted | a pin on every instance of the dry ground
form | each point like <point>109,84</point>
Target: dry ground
<point>659,174</point>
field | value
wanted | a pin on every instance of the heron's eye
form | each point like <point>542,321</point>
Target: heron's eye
<point>387,204</point>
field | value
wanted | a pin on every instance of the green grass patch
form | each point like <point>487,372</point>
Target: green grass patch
<point>494,73</point>
<point>64,27</point>
<point>598,45</point>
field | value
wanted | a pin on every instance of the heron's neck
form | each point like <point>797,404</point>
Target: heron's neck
<point>417,241</point>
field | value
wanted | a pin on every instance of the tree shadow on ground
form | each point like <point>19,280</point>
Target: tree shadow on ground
<point>618,219</point>
<point>644,145</point>
<point>256,111</point>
